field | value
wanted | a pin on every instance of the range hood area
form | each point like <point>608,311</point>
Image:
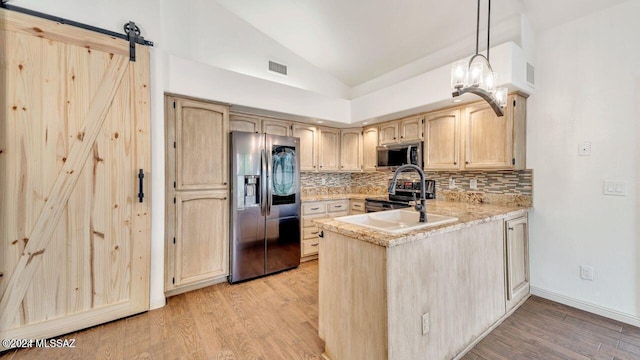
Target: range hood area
<point>428,91</point>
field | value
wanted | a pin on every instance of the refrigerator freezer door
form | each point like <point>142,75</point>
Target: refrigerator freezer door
<point>247,255</point>
<point>283,244</point>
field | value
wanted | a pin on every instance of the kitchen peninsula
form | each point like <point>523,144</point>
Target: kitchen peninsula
<point>424,294</point>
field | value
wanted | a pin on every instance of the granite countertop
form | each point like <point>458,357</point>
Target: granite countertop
<point>306,198</point>
<point>467,214</point>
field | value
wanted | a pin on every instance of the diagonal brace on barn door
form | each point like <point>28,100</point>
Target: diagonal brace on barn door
<point>62,189</point>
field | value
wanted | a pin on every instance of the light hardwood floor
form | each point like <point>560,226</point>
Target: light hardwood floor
<point>276,317</point>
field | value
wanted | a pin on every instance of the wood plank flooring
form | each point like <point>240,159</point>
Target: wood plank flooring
<point>276,317</point>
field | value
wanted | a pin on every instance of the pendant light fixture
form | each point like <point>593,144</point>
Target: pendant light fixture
<point>477,76</point>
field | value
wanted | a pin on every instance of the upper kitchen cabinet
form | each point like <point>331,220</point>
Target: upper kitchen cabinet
<point>200,139</point>
<point>329,149</point>
<point>388,133</point>
<point>277,127</point>
<point>308,146</point>
<point>492,142</point>
<point>442,140</point>
<point>242,122</point>
<point>369,145</point>
<point>351,149</point>
<point>411,128</point>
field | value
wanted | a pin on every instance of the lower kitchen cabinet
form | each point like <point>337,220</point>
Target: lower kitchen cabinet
<point>356,207</point>
<point>200,252</point>
<point>309,232</point>
<point>516,260</point>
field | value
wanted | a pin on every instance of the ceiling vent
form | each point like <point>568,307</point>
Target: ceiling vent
<point>531,75</point>
<point>277,68</point>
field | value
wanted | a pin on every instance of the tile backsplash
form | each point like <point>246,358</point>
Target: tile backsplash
<point>496,186</point>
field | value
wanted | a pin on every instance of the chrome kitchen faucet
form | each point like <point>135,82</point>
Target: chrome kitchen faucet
<point>422,206</point>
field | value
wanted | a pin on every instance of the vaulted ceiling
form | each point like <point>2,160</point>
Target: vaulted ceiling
<point>359,40</point>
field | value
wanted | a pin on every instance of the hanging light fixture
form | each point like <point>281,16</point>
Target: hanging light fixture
<point>477,76</point>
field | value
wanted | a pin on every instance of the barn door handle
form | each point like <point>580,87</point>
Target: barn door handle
<point>141,185</point>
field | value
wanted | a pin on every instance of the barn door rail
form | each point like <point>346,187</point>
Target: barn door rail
<point>132,31</point>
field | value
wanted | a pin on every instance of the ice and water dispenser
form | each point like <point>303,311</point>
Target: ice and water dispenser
<point>251,186</point>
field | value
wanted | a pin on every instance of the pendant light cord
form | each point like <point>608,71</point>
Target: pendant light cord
<point>488,28</point>
<point>478,28</point>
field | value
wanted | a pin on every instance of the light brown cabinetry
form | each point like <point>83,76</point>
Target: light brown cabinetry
<point>369,145</point>
<point>308,146</point>
<point>442,140</point>
<point>196,206</point>
<point>388,133</point>
<point>411,129</point>
<point>492,142</point>
<point>351,149</point>
<point>276,127</point>
<point>356,207</point>
<point>310,232</point>
<point>200,137</point>
<point>246,123</point>
<point>329,149</point>
<point>201,236</point>
<point>516,260</point>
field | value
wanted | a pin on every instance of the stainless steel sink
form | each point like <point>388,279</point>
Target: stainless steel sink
<point>396,221</point>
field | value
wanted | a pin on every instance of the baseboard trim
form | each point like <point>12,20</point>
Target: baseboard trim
<point>157,303</point>
<point>583,305</point>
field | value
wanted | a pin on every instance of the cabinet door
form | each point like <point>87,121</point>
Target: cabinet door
<point>488,139</point>
<point>441,145</point>
<point>517,260</point>
<point>411,128</point>
<point>329,149</point>
<point>308,147</point>
<point>239,122</point>
<point>201,132</point>
<point>202,227</point>
<point>389,133</point>
<point>351,149</point>
<point>276,127</point>
<point>369,145</point>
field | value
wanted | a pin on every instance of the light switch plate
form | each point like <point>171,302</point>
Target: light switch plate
<point>584,149</point>
<point>473,184</point>
<point>615,188</point>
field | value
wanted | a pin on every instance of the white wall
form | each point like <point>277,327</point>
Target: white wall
<point>207,32</point>
<point>586,90</point>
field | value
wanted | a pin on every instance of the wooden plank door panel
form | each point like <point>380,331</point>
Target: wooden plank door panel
<point>351,150</point>
<point>329,149</point>
<point>369,152</point>
<point>75,130</point>
<point>308,147</point>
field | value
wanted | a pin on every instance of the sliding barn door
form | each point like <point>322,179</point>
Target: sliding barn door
<point>74,132</point>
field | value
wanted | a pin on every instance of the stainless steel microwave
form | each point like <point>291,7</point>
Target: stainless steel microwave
<point>392,156</point>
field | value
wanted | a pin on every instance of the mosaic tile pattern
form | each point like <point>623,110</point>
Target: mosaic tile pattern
<point>499,187</point>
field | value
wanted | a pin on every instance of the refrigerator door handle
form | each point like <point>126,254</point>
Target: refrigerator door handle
<point>270,181</point>
<point>263,183</point>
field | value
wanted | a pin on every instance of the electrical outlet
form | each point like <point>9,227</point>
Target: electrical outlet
<point>473,184</point>
<point>425,323</point>
<point>586,272</point>
<point>324,181</point>
<point>452,182</point>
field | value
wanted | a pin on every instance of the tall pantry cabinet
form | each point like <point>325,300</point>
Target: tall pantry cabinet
<point>197,190</point>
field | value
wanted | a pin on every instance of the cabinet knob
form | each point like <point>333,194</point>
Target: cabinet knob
<point>455,163</point>
<point>466,162</point>
<point>320,166</point>
<point>394,138</point>
<point>402,137</point>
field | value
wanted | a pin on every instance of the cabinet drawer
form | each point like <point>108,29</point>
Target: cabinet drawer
<point>310,247</point>
<point>338,214</point>
<point>306,220</point>
<point>357,206</point>
<point>310,233</point>
<point>313,208</point>
<point>342,205</point>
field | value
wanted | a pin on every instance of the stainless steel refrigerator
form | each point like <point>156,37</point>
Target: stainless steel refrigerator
<point>265,205</point>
